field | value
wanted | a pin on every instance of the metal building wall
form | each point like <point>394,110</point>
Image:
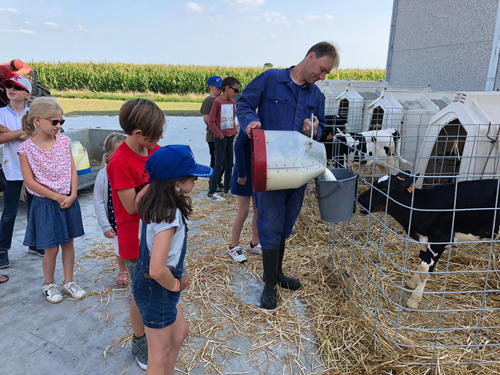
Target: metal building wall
<point>443,43</point>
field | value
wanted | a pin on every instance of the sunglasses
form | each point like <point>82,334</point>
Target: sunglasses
<point>55,122</point>
<point>15,87</point>
<point>235,90</point>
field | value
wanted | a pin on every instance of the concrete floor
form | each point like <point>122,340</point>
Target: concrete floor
<point>71,337</point>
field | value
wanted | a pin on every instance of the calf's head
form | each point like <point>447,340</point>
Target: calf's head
<point>375,199</point>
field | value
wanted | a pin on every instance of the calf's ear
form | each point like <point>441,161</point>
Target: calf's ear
<point>403,180</point>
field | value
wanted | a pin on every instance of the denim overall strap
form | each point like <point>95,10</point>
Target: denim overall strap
<point>144,256</point>
<point>177,271</point>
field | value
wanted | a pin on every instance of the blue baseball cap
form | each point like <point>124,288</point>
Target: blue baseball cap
<point>215,81</point>
<point>174,161</point>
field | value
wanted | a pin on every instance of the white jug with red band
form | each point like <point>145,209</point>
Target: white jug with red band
<point>284,160</point>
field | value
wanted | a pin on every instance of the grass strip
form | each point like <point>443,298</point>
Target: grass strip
<point>105,107</point>
<point>121,95</point>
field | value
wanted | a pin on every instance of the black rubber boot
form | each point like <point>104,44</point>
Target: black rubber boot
<point>283,281</point>
<point>269,300</point>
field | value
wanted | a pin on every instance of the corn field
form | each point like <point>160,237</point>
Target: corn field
<point>165,79</point>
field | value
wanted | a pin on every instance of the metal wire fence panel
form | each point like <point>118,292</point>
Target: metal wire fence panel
<point>419,260</point>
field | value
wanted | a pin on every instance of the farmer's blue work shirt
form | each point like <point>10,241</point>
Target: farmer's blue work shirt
<point>279,108</point>
<point>281,105</point>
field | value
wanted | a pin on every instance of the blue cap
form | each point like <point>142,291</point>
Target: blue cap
<point>215,81</point>
<point>174,161</point>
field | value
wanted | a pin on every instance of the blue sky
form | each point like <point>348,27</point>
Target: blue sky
<point>199,32</point>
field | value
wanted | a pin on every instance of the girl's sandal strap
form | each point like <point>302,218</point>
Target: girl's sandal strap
<point>124,280</point>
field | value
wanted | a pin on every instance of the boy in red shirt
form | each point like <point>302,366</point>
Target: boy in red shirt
<point>221,122</point>
<point>143,122</point>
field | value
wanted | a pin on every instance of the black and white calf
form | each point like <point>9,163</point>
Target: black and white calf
<point>334,123</point>
<point>436,220</point>
<point>382,147</point>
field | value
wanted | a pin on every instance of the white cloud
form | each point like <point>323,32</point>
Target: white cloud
<point>250,2</point>
<point>9,10</point>
<point>312,17</point>
<point>78,28</point>
<point>272,35</point>
<point>28,23</point>
<point>246,5</point>
<point>276,18</point>
<point>19,31</point>
<point>195,6</point>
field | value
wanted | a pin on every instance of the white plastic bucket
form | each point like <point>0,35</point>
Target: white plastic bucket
<point>285,160</point>
<point>81,158</point>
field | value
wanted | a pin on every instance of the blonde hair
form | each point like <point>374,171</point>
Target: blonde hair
<point>111,144</point>
<point>143,115</point>
<point>44,107</point>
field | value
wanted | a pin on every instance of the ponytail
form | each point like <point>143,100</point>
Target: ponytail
<point>28,124</point>
<point>111,143</point>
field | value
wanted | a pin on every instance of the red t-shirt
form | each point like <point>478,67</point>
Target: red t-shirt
<point>126,171</point>
<point>221,119</point>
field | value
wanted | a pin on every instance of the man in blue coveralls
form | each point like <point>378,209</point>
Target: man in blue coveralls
<point>285,99</point>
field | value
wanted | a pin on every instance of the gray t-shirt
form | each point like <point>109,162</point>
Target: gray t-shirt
<point>205,109</point>
<point>177,242</point>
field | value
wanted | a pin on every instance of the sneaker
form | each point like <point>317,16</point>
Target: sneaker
<point>140,352</point>
<point>52,294</point>
<point>215,197</point>
<point>75,291</point>
<point>237,254</point>
<point>256,249</point>
<point>37,252</point>
<point>4,259</point>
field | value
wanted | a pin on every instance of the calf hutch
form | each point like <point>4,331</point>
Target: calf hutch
<point>351,102</point>
<point>462,140</point>
<point>409,112</point>
<point>419,259</point>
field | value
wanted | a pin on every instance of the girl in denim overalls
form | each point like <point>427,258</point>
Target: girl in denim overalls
<point>156,285</point>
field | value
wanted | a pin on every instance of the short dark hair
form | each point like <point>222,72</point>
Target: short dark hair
<point>229,81</point>
<point>143,115</point>
<point>325,49</point>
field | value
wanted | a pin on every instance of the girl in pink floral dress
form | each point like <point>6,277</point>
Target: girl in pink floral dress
<point>49,173</point>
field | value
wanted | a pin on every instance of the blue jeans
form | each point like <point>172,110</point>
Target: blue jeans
<point>29,199</point>
<point>11,197</point>
<point>278,210</point>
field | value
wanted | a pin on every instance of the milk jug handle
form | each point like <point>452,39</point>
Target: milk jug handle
<point>312,126</point>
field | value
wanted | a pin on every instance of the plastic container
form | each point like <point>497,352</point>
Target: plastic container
<point>336,198</point>
<point>285,160</point>
<point>81,158</point>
